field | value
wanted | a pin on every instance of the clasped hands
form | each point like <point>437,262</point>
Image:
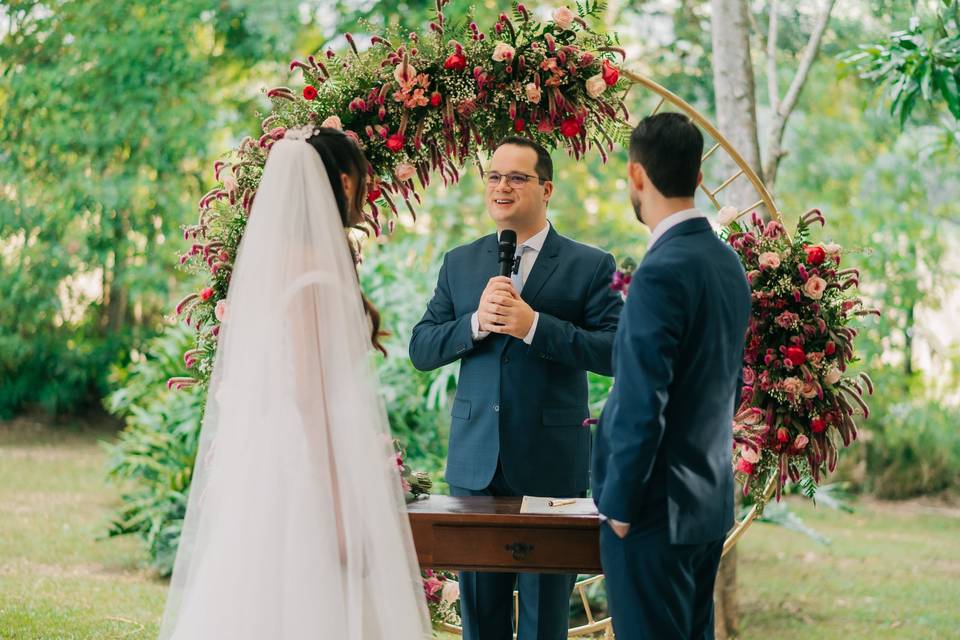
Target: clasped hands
<point>502,310</point>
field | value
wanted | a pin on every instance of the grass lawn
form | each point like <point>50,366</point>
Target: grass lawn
<point>891,571</point>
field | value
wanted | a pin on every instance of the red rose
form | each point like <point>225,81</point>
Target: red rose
<point>783,435</point>
<point>455,62</point>
<point>570,128</point>
<point>815,255</point>
<point>610,73</point>
<point>796,356</point>
<point>206,294</point>
<point>519,125</point>
<point>435,99</point>
<point>395,142</point>
<point>830,348</point>
<point>372,194</point>
<point>309,92</point>
<point>745,467</point>
<point>818,425</point>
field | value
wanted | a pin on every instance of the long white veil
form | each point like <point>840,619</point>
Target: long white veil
<point>296,526</point>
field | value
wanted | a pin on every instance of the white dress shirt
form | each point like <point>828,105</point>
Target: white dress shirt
<point>671,221</point>
<point>529,255</point>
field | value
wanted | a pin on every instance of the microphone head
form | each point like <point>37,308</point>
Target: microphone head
<point>506,250</point>
<point>508,236</point>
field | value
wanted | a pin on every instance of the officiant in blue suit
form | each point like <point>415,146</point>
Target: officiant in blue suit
<point>525,344</point>
<point>662,473</point>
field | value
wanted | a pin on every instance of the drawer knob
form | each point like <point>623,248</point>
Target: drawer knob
<point>519,550</point>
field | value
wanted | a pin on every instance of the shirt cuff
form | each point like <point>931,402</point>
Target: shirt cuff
<point>475,328</point>
<point>528,339</point>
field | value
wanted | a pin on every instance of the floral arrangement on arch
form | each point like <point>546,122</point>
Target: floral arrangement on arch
<point>418,106</point>
<point>798,400</point>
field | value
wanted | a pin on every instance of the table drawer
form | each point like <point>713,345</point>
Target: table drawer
<point>547,549</point>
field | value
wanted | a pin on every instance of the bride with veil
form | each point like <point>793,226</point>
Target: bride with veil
<point>296,526</point>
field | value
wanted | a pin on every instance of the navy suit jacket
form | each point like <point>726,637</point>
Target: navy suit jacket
<point>665,440</point>
<point>523,405</point>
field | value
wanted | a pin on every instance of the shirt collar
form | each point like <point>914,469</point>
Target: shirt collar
<point>671,221</point>
<point>535,242</point>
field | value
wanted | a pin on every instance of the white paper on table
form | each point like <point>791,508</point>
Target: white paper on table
<point>537,505</point>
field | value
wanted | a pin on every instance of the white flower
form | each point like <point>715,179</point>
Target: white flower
<point>450,592</point>
<point>503,52</point>
<point>405,171</point>
<point>833,375</point>
<point>220,311</point>
<point>727,214</point>
<point>533,93</point>
<point>769,260</point>
<point>596,85</point>
<point>333,122</point>
<point>563,17</point>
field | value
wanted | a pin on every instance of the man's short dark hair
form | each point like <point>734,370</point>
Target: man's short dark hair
<point>669,146</point>
<point>544,165</point>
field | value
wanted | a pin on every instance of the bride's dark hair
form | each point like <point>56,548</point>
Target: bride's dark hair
<point>341,155</point>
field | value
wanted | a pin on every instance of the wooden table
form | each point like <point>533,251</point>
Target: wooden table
<point>482,533</point>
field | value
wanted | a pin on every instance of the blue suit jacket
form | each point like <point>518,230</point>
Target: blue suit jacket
<point>523,405</point>
<point>664,444</point>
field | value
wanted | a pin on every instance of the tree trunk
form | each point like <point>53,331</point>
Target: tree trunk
<point>737,119</point>
<point>733,84</point>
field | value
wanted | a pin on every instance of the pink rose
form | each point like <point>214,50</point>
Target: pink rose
<point>792,386</point>
<point>800,442</point>
<point>333,122</point>
<point>533,93</point>
<point>432,585</point>
<point>815,287</point>
<point>595,85</point>
<point>744,467</point>
<point>810,390</point>
<point>503,52</point>
<point>220,311</point>
<point>833,375</point>
<point>769,260</point>
<point>450,592</point>
<point>750,455</point>
<point>563,17</point>
<point>748,376</point>
<point>405,171</point>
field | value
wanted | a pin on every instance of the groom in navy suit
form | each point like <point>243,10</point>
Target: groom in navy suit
<point>662,476</point>
<point>525,344</point>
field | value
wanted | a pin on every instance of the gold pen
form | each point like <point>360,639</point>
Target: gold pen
<point>560,503</point>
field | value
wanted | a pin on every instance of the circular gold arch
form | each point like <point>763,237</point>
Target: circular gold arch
<point>764,199</point>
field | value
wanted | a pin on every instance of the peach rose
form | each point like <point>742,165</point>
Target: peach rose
<point>405,171</point>
<point>809,390</point>
<point>833,375</point>
<point>596,85</point>
<point>563,17</point>
<point>503,52</point>
<point>533,93</point>
<point>815,287</point>
<point>769,260</point>
<point>727,214</point>
<point>792,385</point>
<point>333,122</point>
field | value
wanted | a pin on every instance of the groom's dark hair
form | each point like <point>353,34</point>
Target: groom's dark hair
<point>544,166</point>
<point>669,146</point>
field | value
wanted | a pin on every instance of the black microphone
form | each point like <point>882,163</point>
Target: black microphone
<point>507,249</point>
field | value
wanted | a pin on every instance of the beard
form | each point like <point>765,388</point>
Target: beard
<point>635,201</point>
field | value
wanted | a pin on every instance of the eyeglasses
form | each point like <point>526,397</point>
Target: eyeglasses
<point>514,179</point>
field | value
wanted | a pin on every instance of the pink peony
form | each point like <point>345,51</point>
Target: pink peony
<point>332,122</point>
<point>563,17</point>
<point>533,93</point>
<point>769,260</point>
<point>450,592</point>
<point>596,86</point>
<point>405,171</point>
<point>503,52</point>
<point>815,287</point>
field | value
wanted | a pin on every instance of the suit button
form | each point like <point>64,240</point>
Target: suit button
<point>496,407</point>
<point>506,359</point>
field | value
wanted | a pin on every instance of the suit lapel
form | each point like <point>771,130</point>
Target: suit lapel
<point>544,267</point>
